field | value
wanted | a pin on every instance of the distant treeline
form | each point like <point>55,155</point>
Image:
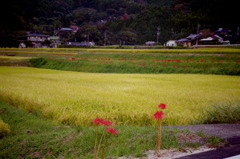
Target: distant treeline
<point>112,21</point>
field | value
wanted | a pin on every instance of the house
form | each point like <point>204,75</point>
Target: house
<point>72,29</point>
<point>150,43</point>
<point>190,40</point>
<point>184,42</point>
<point>66,29</point>
<point>223,32</point>
<point>55,41</point>
<point>213,40</point>
<point>38,40</point>
<point>85,43</point>
<point>171,43</point>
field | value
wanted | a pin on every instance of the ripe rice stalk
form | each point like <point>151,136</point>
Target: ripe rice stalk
<point>75,98</point>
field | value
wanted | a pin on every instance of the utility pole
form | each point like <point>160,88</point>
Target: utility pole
<point>238,31</point>
<point>105,38</point>
<point>87,38</point>
<point>198,27</point>
<point>158,33</point>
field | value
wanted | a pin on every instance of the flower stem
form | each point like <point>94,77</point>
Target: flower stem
<point>100,142</point>
<point>95,146</point>
<point>159,134</point>
<point>103,150</point>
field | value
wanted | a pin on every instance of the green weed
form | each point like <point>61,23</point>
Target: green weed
<point>36,137</point>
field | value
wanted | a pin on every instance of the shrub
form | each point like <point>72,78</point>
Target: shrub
<point>37,62</point>
<point>4,129</point>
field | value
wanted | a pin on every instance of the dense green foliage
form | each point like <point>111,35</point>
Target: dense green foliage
<point>143,63</point>
<point>112,21</point>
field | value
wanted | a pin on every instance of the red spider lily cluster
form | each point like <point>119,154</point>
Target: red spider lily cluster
<point>155,60</point>
<point>112,131</point>
<point>170,63</point>
<point>101,142</point>
<point>100,121</point>
<point>159,115</point>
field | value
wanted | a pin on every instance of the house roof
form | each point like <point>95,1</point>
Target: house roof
<point>221,30</point>
<point>74,27</point>
<point>39,35</point>
<point>150,43</point>
<point>66,29</point>
<point>192,36</point>
<point>183,40</point>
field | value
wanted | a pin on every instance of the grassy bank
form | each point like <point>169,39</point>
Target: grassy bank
<point>145,63</point>
<point>229,50</point>
<point>128,99</point>
<point>36,137</point>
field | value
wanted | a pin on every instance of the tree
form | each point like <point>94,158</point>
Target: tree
<point>89,33</point>
<point>127,37</point>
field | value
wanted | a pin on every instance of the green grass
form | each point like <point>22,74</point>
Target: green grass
<point>145,63</point>
<point>75,98</point>
<point>4,129</point>
<point>229,50</point>
<point>33,136</point>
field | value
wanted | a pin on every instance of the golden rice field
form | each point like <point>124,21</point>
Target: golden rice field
<point>14,57</point>
<point>127,99</point>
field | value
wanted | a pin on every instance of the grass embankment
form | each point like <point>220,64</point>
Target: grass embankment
<point>128,99</point>
<point>144,63</point>
<point>36,137</point>
<point>70,51</point>
<point>4,129</point>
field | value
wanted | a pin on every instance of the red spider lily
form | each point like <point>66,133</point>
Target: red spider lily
<point>159,115</point>
<point>112,131</point>
<point>98,121</point>
<point>162,106</point>
<point>107,123</point>
<point>178,60</point>
<point>73,58</point>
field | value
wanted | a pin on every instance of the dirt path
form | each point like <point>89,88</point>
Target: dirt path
<point>231,132</point>
<point>222,130</point>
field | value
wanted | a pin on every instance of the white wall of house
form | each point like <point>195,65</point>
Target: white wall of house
<point>171,43</point>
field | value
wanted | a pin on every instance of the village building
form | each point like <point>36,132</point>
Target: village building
<point>71,28</point>
<point>36,40</point>
<point>150,43</point>
<point>171,43</point>
<point>189,41</point>
<point>84,43</point>
<point>55,41</point>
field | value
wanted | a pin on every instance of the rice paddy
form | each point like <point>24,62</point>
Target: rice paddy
<point>74,51</point>
<point>76,98</point>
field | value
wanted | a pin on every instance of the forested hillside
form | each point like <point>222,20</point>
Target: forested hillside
<point>132,21</point>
